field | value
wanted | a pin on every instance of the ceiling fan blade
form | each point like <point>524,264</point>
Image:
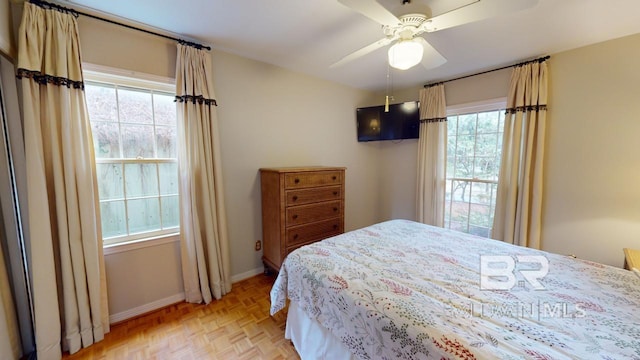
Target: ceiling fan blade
<point>431,58</point>
<point>364,51</point>
<point>373,10</point>
<point>480,10</point>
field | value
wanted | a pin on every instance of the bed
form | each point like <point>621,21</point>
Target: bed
<point>405,290</point>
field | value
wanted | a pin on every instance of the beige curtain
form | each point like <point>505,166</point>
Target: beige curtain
<point>67,267</point>
<point>432,156</point>
<point>10,347</point>
<point>203,223</point>
<point>519,199</point>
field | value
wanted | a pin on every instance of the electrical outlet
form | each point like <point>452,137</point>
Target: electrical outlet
<point>258,245</point>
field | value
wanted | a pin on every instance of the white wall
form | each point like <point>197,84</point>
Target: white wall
<point>273,117</point>
<point>591,200</point>
<point>143,279</point>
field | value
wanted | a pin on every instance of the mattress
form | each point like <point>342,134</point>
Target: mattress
<point>405,290</point>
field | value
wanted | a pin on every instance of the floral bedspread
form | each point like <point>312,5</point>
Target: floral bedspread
<point>401,289</point>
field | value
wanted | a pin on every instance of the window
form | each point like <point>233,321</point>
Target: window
<point>134,135</point>
<point>474,146</point>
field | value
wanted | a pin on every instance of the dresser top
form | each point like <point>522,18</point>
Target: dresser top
<point>301,169</point>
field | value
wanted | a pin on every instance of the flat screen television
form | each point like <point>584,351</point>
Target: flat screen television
<point>401,122</point>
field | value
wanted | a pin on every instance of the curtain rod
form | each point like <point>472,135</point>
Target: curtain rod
<point>75,13</point>
<point>542,59</point>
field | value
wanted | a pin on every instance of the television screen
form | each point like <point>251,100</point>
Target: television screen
<point>401,122</point>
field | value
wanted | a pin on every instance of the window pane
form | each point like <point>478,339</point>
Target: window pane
<point>486,144</point>
<point>450,166</point>
<point>110,181</point>
<point>168,178</point>
<point>113,219</point>
<point>460,215</point>
<point>135,106</point>
<point>451,145</point>
<point>481,193</point>
<point>486,168</point>
<point>142,179</point>
<point>464,167</point>
<point>166,141</point>
<point>106,139</point>
<point>488,122</point>
<point>144,215</point>
<point>164,109</point>
<point>451,153</point>
<point>461,191</point>
<point>465,145</point>
<point>467,124</point>
<point>170,212</point>
<point>452,125</point>
<point>101,102</point>
<point>137,141</point>
<point>479,215</point>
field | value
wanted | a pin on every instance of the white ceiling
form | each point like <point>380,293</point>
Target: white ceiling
<point>309,35</point>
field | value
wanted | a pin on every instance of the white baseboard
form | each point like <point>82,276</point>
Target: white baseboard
<point>159,304</point>
<point>143,309</point>
<point>246,274</point>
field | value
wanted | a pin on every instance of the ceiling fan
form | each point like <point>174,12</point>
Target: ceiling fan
<point>409,47</point>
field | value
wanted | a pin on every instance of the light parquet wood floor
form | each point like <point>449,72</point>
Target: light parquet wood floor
<point>236,327</point>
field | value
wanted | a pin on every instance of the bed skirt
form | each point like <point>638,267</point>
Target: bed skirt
<point>311,340</point>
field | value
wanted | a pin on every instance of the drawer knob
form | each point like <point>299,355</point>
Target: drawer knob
<point>295,216</point>
<point>335,193</point>
<point>334,177</point>
<point>295,236</point>
<point>295,197</point>
<point>335,209</point>
<point>296,180</point>
<point>335,226</point>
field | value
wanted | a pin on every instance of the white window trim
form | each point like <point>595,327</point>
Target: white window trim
<point>141,243</point>
<point>477,106</point>
<point>100,73</point>
<point>106,74</point>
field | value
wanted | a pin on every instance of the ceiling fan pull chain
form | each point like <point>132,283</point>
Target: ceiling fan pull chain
<point>386,98</point>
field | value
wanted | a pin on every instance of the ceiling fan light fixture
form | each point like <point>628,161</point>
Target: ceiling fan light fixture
<point>405,54</point>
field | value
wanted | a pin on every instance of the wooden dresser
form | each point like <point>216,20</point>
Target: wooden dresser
<point>299,206</point>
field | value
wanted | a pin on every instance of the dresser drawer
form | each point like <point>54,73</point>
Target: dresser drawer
<point>312,178</point>
<point>313,195</point>
<point>305,234</point>
<point>297,215</point>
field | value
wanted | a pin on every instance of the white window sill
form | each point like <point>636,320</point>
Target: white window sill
<point>141,243</point>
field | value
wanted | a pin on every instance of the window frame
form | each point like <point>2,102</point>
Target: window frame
<point>98,74</point>
<point>496,104</point>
